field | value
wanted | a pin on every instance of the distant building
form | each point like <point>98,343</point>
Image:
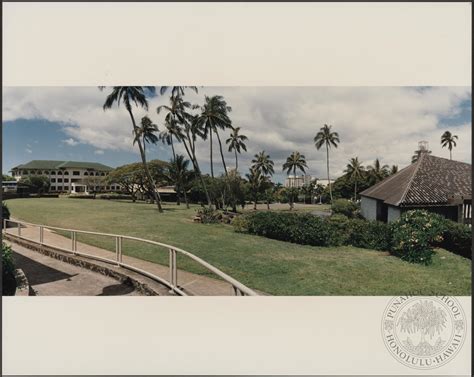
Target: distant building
<point>324,182</point>
<point>68,176</point>
<point>433,183</point>
<point>9,186</point>
<point>298,181</point>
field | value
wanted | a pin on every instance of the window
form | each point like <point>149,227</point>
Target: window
<point>53,180</point>
<point>75,172</point>
<point>60,180</point>
<point>102,174</point>
<point>60,188</point>
<point>66,180</point>
<point>53,188</point>
<point>86,173</point>
<point>66,173</point>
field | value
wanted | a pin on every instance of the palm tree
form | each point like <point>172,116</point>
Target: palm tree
<point>377,172</point>
<point>263,163</point>
<point>214,115</point>
<point>172,132</point>
<point>129,95</point>
<point>327,138</point>
<point>177,91</point>
<point>449,140</point>
<point>293,162</point>
<point>355,172</point>
<point>146,132</point>
<point>236,143</point>
<point>178,174</point>
<point>256,180</point>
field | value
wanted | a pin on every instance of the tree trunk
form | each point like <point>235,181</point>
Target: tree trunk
<point>355,191</point>
<point>450,155</point>
<point>236,161</point>
<point>172,148</point>
<point>222,154</point>
<point>329,180</point>
<point>151,182</point>
<point>210,150</point>
<point>186,198</point>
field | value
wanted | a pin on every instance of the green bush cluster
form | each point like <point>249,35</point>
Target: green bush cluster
<point>345,207</point>
<point>8,271</point>
<point>308,229</point>
<point>413,235</point>
<point>209,215</point>
<point>5,211</point>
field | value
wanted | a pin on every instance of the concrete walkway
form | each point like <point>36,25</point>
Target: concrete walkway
<point>50,277</point>
<point>193,284</point>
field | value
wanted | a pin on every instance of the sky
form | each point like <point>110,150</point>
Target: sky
<point>68,123</point>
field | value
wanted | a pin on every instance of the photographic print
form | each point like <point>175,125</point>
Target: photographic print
<point>188,190</point>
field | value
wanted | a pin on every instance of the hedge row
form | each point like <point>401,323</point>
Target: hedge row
<point>411,238</point>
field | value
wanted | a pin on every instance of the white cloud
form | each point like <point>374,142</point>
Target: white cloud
<point>71,142</point>
<point>28,150</point>
<point>384,122</point>
<point>99,151</point>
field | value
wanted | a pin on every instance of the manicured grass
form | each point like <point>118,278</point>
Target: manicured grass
<point>271,266</point>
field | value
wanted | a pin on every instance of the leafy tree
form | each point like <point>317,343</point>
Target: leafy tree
<point>36,183</point>
<point>256,180</point>
<point>355,172</point>
<point>236,188</point>
<point>129,95</point>
<point>7,178</point>
<point>393,169</point>
<point>214,116</point>
<point>328,138</point>
<point>178,174</point>
<point>236,143</point>
<point>293,162</point>
<point>449,140</point>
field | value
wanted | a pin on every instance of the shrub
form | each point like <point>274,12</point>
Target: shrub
<point>344,207</point>
<point>414,234</point>
<point>240,224</point>
<point>209,215</point>
<point>8,268</point>
<point>457,238</point>
<point>369,234</point>
<point>5,211</point>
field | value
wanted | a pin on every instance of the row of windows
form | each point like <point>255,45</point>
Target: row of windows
<point>45,172</point>
<point>61,188</point>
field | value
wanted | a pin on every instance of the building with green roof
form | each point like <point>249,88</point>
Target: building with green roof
<point>67,176</point>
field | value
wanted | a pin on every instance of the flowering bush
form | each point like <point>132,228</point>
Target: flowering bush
<point>413,235</point>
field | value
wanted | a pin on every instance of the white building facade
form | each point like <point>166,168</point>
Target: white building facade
<point>64,176</point>
<point>298,180</point>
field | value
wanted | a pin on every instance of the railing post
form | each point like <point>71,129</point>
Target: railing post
<point>117,250</point>
<point>19,229</point>
<point>4,225</point>
<point>171,252</point>
<point>175,269</point>
<point>41,234</point>
<point>73,242</point>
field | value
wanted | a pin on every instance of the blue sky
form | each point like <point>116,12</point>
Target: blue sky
<point>374,122</point>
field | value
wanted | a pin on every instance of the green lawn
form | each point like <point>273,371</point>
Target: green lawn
<point>271,266</point>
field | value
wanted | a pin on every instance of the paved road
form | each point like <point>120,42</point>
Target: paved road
<point>50,277</point>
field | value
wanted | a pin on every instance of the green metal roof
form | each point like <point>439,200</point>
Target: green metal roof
<point>54,165</point>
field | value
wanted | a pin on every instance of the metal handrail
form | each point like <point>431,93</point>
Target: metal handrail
<point>239,288</point>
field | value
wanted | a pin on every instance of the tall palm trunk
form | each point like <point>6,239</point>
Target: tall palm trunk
<point>210,150</point>
<point>185,198</point>
<point>151,182</point>
<point>172,148</point>
<point>236,160</point>
<point>222,154</point>
<point>355,190</point>
<point>327,162</point>
<point>193,159</point>
<point>450,154</point>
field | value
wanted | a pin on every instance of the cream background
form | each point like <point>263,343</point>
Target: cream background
<point>227,44</point>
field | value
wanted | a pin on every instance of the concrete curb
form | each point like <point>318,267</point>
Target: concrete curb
<point>22,285</point>
<point>142,284</point>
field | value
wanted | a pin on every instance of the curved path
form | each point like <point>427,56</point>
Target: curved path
<point>51,277</point>
<point>193,284</point>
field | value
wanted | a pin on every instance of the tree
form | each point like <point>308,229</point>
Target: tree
<point>417,154</point>
<point>127,177</point>
<point>425,318</point>
<point>214,116</point>
<point>177,91</point>
<point>235,185</point>
<point>36,183</point>
<point>449,140</point>
<point>137,96</point>
<point>355,172</point>
<point>146,132</point>
<point>178,174</point>
<point>255,179</point>
<point>6,177</point>
<point>293,162</point>
<point>236,143</point>
<point>263,163</point>
<point>327,138</point>
<point>377,172</point>
<point>393,169</point>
